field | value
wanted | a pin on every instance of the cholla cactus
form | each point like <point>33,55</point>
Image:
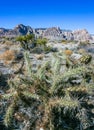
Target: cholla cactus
<point>85,58</point>
<point>51,95</point>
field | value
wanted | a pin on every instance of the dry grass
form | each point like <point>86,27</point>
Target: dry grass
<point>68,52</point>
<point>39,57</point>
<point>8,43</point>
<point>64,41</point>
<point>82,51</point>
<point>8,56</point>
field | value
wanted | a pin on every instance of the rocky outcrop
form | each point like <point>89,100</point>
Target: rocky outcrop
<point>81,35</point>
<point>18,30</point>
<point>68,35</point>
<point>54,33</point>
<point>23,30</point>
<point>57,33</point>
<point>3,31</point>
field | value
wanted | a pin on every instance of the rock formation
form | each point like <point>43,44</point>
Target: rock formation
<point>18,30</point>
<point>54,33</point>
<point>82,35</point>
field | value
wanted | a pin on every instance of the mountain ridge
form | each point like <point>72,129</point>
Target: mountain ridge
<point>53,33</point>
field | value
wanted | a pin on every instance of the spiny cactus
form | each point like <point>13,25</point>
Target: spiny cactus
<point>85,58</point>
<point>50,94</point>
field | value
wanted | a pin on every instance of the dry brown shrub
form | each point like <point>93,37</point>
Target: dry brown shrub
<point>68,52</point>
<point>8,55</point>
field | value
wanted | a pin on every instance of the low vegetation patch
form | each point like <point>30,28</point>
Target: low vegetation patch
<point>68,52</point>
<point>8,55</point>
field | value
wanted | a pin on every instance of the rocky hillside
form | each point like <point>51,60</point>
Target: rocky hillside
<point>18,30</point>
<point>54,33</point>
<point>82,35</point>
<point>57,33</point>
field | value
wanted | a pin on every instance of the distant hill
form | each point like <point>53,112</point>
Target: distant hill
<point>18,30</point>
<point>53,33</point>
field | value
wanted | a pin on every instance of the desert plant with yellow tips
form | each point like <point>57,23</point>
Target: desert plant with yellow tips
<point>68,52</point>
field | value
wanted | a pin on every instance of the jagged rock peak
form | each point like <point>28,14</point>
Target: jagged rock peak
<point>23,30</point>
<point>20,25</point>
<point>53,31</point>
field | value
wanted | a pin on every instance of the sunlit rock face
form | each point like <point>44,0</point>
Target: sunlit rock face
<point>54,33</point>
<point>81,35</point>
<point>18,30</point>
<point>23,30</point>
<point>57,33</point>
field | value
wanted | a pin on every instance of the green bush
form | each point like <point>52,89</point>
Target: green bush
<point>30,39</point>
<point>40,41</point>
<point>26,40</point>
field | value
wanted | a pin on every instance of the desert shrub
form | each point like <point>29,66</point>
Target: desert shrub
<point>26,40</point>
<point>51,98</point>
<point>68,41</point>
<point>8,42</point>
<point>64,41</point>
<point>8,55</point>
<point>84,43</point>
<point>82,51</point>
<point>47,48</point>
<point>30,37</point>
<point>40,41</point>
<point>20,38</point>
<point>68,52</point>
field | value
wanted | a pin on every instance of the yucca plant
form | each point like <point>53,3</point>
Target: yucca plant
<point>26,40</point>
<point>51,98</point>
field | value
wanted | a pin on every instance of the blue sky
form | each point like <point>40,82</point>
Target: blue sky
<point>67,14</point>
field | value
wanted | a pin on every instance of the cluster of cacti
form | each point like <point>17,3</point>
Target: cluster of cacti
<point>52,96</point>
